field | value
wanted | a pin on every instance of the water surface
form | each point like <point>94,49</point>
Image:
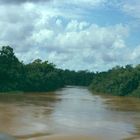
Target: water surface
<point>70,111</point>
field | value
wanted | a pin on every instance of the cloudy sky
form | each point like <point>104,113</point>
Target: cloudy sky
<point>73,34</point>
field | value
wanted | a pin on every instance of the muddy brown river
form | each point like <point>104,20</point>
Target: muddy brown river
<point>72,112</point>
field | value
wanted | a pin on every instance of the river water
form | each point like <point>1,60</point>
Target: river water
<point>69,111</point>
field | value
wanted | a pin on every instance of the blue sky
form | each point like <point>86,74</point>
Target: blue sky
<point>78,34</point>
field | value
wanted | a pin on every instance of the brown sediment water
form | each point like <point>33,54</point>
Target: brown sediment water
<point>67,138</point>
<point>70,113</point>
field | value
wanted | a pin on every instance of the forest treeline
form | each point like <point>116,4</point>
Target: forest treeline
<point>44,76</point>
<point>36,76</point>
<point>121,81</point>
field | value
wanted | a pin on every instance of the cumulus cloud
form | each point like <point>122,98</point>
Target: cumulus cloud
<point>78,3</point>
<point>21,1</point>
<point>51,32</point>
<point>132,8</point>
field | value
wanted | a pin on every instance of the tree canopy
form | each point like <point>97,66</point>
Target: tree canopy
<point>44,76</point>
<point>36,76</point>
<point>122,81</point>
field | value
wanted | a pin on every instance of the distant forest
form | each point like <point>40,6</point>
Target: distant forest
<point>120,81</point>
<point>41,76</point>
<point>36,76</point>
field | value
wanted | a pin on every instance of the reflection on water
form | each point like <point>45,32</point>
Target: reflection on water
<point>72,110</point>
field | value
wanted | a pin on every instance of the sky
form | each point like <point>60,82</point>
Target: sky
<point>93,35</point>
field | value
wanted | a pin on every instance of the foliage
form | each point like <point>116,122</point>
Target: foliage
<point>122,81</point>
<point>36,76</point>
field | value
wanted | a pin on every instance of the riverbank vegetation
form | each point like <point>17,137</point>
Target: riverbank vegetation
<point>44,76</point>
<point>36,76</point>
<point>121,81</point>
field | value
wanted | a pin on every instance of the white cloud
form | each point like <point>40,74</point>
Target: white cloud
<point>83,3</point>
<point>61,36</point>
<point>43,36</point>
<point>135,54</point>
<point>132,8</point>
<point>80,44</point>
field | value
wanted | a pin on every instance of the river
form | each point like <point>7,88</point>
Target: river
<point>71,111</point>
